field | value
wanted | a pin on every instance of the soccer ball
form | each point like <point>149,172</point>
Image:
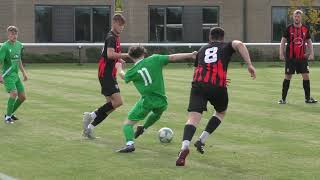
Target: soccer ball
<point>165,135</point>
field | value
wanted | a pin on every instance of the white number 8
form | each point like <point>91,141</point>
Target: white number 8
<point>211,55</point>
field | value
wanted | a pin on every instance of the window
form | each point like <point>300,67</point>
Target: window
<point>82,24</point>
<point>174,24</point>
<point>279,22</point>
<point>71,23</point>
<point>100,18</point>
<point>209,20</point>
<point>157,24</point>
<point>43,23</point>
<point>165,24</point>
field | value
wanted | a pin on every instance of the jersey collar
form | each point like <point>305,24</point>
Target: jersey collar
<point>138,61</point>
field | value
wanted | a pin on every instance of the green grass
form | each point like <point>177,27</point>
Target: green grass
<point>259,139</point>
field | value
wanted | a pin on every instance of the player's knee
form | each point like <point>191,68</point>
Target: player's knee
<point>305,76</point>
<point>22,98</point>
<point>117,103</point>
<point>288,76</point>
<point>220,115</point>
<point>13,94</point>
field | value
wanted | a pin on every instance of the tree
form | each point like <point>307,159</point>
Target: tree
<point>311,14</point>
<point>118,6</point>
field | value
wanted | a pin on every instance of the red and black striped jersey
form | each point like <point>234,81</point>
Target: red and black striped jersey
<point>107,66</point>
<point>212,63</point>
<point>296,38</point>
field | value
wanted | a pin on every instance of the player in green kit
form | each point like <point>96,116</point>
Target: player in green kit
<point>10,59</point>
<point>147,77</point>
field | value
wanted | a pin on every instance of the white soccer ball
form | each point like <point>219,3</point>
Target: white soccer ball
<point>165,135</point>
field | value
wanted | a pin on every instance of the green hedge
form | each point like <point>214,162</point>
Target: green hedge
<point>64,57</point>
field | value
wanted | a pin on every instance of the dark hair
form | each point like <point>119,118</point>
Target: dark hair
<point>217,33</point>
<point>119,18</point>
<point>137,51</point>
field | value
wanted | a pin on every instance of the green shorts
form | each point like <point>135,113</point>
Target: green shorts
<point>145,105</point>
<point>12,83</point>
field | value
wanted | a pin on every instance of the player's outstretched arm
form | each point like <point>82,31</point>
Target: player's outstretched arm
<point>242,49</point>
<point>282,47</point>
<point>310,47</point>
<point>120,70</point>
<point>114,55</point>
<point>182,56</point>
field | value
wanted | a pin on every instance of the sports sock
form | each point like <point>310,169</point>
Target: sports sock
<point>10,106</point>
<point>129,143</point>
<point>16,105</point>
<point>188,133</point>
<point>151,119</point>
<point>306,87</point>
<point>212,125</point>
<point>90,126</point>
<point>285,88</point>
<point>93,115</point>
<point>101,113</point>
<point>128,132</point>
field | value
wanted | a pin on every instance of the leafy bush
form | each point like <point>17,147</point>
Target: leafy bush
<point>64,57</point>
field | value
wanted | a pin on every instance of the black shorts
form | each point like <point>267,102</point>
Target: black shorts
<point>109,86</point>
<point>293,66</point>
<point>202,93</point>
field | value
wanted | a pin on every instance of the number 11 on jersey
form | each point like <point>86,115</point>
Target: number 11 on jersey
<point>145,76</point>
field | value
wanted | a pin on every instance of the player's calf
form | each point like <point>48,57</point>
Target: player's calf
<point>139,131</point>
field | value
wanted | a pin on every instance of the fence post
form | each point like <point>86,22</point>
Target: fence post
<point>79,48</point>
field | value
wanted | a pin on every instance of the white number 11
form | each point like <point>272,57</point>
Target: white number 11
<point>145,76</point>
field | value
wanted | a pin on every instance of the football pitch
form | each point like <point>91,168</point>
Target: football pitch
<point>258,139</point>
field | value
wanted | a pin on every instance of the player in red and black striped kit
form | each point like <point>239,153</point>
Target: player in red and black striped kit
<point>210,84</point>
<point>110,58</point>
<point>297,35</point>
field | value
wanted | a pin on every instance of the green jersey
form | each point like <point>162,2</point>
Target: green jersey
<point>147,76</point>
<point>10,57</point>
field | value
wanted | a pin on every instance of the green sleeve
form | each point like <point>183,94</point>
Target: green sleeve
<point>127,76</point>
<point>163,59</point>
<point>2,54</point>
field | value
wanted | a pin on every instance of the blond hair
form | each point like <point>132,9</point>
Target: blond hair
<point>298,11</point>
<point>12,29</point>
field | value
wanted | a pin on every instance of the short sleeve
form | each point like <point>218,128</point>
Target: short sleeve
<point>110,42</point>
<point>163,59</point>
<point>308,36</point>
<point>230,48</point>
<point>128,76</point>
<point>285,33</point>
<point>2,54</point>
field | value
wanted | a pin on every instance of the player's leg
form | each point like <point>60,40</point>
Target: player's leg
<point>289,70</point>
<point>137,113</point>
<point>92,119</point>
<point>219,99</point>
<point>153,117</point>
<point>11,88</point>
<point>197,104</point>
<point>21,97</point>
<point>112,102</point>
<point>110,89</point>
<point>189,130</point>
<point>304,70</point>
<point>128,133</point>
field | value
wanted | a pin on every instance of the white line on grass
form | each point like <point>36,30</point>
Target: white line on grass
<point>6,177</point>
